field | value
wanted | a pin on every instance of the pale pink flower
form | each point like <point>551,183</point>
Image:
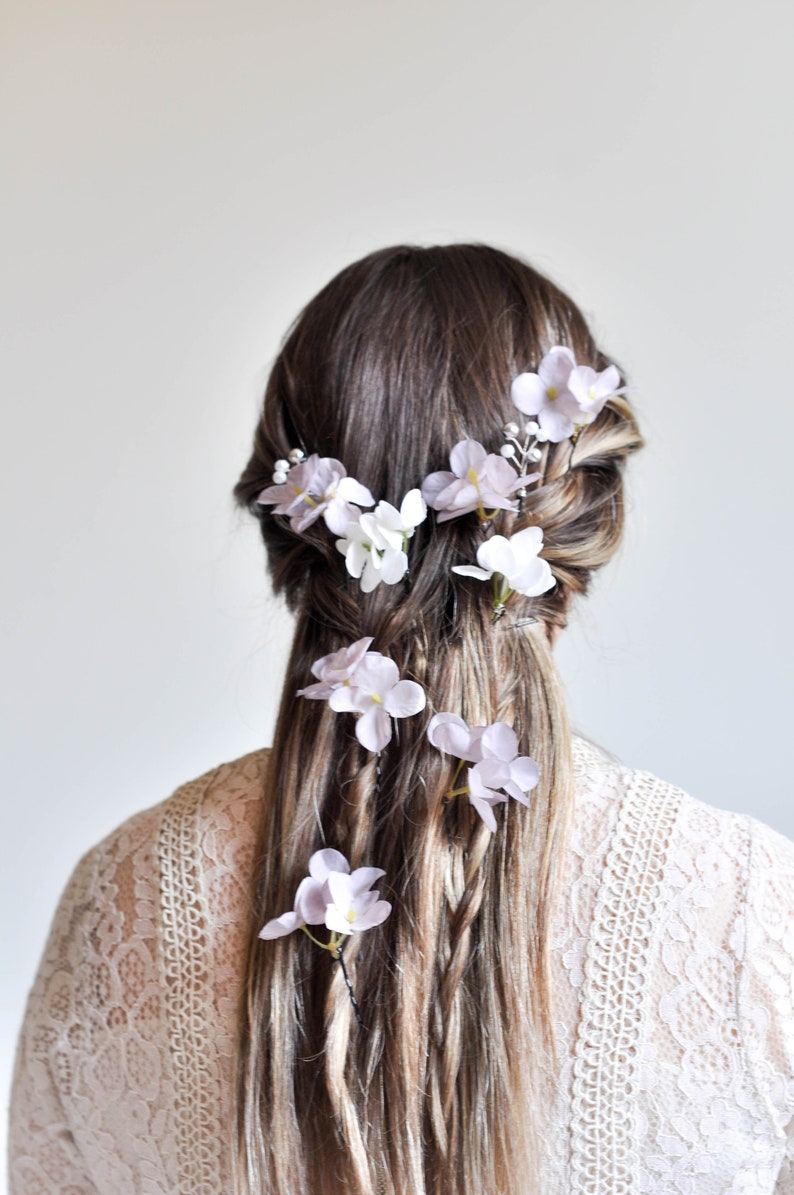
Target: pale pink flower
<point>377,694</point>
<point>547,396</point>
<point>479,480</point>
<point>450,734</point>
<point>335,669</point>
<point>593,390</point>
<point>318,486</point>
<point>331,896</point>
<point>493,751</point>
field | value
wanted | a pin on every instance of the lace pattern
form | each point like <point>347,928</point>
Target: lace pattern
<point>672,958</point>
<point>189,997</point>
<point>603,1153</point>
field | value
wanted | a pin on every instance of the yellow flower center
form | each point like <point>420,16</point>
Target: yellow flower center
<point>472,476</point>
<point>551,392</point>
<point>376,699</point>
<point>351,916</point>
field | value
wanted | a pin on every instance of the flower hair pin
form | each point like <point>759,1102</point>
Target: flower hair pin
<point>367,684</point>
<point>375,544</point>
<point>514,564</point>
<point>316,487</point>
<point>497,771</point>
<point>479,481</point>
<point>562,397</point>
<point>341,900</point>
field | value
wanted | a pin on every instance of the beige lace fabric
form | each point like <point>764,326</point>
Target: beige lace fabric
<point>673,956</point>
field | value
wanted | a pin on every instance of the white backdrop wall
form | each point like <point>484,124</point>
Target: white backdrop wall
<point>181,177</point>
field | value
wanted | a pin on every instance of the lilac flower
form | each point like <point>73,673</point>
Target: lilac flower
<point>479,480</point>
<point>377,694</point>
<point>335,670</point>
<point>593,390</point>
<point>374,545</point>
<point>546,395</point>
<point>318,486</point>
<point>331,896</point>
<point>493,751</point>
<point>514,564</point>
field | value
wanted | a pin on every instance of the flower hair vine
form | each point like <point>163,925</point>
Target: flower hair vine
<point>563,398</point>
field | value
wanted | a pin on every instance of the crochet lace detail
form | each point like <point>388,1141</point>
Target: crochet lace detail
<point>188,993</point>
<point>603,1156</point>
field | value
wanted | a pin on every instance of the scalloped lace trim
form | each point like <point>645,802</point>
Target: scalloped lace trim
<point>189,996</point>
<point>603,1130</point>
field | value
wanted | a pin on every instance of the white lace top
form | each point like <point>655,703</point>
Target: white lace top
<point>673,955</point>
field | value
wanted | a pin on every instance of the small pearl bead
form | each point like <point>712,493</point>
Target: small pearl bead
<point>295,455</point>
<point>531,428</point>
<point>281,466</point>
<point>535,454</point>
<point>507,450</point>
<point>510,429</point>
<point>279,477</point>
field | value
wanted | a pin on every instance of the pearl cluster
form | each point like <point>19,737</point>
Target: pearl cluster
<point>523,452</point>
<point>282,467</point>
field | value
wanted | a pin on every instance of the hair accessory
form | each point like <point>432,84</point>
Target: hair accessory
<point>314,487</point>
<point>498,770</point>
<point>563,396</point>
<point>480,480</point>
<point>374,545</point>
<point>340,900</point>
<point>366,683</point>
<point>515,565</point>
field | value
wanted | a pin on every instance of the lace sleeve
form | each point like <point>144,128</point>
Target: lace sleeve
<point>767,993</point>
<point>43,1153</point>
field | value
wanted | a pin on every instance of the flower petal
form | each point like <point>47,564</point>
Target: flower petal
<point>528,393</point>
<point>394,566</point>
<point>471,570</point>
<point>353,491</point>
<point>468,454</point>
<point>373,728</point>
<point>499,741</point>
<point>363,878</point>
<point>323,862</point>
<point>413,509</point>
<point>280,926</point>
<point>405,699</point>
<point>373,916</point>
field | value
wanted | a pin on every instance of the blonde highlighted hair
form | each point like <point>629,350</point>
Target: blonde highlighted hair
<point>398,358</point>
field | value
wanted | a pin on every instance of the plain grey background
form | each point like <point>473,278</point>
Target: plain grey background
<point>180,177</point>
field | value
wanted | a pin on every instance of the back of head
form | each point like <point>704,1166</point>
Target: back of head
<point>396,360</point>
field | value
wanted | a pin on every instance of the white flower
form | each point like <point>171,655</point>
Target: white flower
<point>516,561</point>
<point>318,486</point>
<point>353,906</point>
<point>376,692</point>
<point>593,390</point>
<point>547,396</point>
<point>330,895</point>
<point>374,544</point>
<point>480,480</point>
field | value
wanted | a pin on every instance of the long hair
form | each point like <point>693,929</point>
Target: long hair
<point>398,358</point>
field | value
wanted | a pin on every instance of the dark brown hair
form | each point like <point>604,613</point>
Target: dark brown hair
<point>398,358</point>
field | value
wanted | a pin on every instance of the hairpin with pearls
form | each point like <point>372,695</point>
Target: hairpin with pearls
<point>282,467</point>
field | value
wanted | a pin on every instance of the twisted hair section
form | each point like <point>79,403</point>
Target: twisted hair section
<point>401,356</point>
